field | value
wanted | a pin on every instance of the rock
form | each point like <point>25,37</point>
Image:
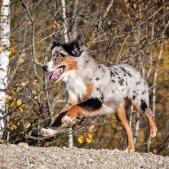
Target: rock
<point>23,144</point>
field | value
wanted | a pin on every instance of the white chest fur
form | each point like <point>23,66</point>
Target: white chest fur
<point>76,88</point>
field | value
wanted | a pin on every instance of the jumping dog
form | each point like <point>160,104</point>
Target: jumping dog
<point>94,89</point>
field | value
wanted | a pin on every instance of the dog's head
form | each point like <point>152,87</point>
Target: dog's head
<point>64,58</point>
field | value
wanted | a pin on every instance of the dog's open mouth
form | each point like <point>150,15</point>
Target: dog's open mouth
<point>55,75</point>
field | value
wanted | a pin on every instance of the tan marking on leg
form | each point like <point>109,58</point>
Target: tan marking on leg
<point>122,116</point>
<point>74,111</point>
<point>78,110</point>
<point>152,125</point>
<point>88,91</point>
<point>68,119</point>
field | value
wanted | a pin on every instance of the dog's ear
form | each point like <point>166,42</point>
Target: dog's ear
<point>80,41</point>
<point>75,47</point>
<point>55,44</point>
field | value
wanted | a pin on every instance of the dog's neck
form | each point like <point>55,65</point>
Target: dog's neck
<point>86,65</point>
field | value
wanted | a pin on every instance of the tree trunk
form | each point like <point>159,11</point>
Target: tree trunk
<point>4,58</point>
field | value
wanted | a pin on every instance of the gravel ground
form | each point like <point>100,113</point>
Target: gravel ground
<point>26,157</point>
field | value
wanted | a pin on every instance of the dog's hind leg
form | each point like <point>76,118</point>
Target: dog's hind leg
<point>152,125</point>
<point>142,108</point>
<point>123,118</point>
<point>139,97</point>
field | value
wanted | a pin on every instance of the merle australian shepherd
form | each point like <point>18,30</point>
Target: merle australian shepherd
<point>94,89</point>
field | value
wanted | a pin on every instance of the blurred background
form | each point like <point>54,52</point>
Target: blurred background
<point>115,31</point>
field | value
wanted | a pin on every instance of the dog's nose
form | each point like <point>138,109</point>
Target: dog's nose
<point>45,68</point>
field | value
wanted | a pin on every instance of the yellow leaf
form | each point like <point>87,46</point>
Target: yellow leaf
<point>81,139</point>
<point>19,102</point>
<point>21,109</point>
<point>89,135</point>
<point>12,104</point>
<point>88,140</point>
<point>12,50</point>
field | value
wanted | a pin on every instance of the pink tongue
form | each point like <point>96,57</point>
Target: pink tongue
<point>56,74</point>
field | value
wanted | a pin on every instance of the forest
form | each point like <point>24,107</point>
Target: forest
<point>135,32</point>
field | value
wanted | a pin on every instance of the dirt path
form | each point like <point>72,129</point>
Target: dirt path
<point>25,157</point>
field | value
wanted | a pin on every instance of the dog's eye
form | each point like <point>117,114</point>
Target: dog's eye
<point>57,58</point>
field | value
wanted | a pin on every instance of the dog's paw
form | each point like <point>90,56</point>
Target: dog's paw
<point>67,121</point>
<point>47,132</point>
<point>130,149</point>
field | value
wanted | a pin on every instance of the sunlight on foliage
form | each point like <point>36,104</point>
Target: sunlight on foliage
<point>19,102</point>
<point>21,109</point>
<point>81,139</point>
<point>86,137</point>
<point>11,51</point>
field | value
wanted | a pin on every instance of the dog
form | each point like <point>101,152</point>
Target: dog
<point>95,89</point>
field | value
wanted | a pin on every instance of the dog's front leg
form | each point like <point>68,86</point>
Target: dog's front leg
<point>123,118</point>
<point>54,128</point>
<point>57,123</point>
<point>63,120</point>
<point>90,107</point>
<point>71,100</point>
<point>87,108</point>
<point>71,115</point>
